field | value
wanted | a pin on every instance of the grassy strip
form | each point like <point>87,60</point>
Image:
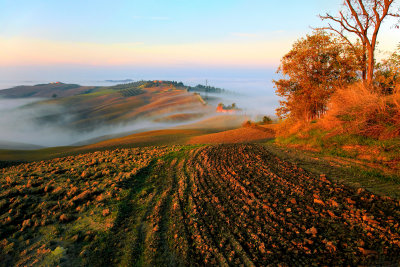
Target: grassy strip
<point>334,144</point>
<point>125,244</point>
<point>349,173</point>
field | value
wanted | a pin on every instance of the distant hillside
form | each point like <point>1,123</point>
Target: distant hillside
<point>138,101</point>
<point>70,114</point>
<point>18,146</point>
<point>45,90</point>
<point>178,135</point>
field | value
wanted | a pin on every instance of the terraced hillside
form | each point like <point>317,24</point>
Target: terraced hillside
<point>230,204</point>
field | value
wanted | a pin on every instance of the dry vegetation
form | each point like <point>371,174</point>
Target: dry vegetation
<point>359,123</point>
<point>358,110</point>
<point>241,135</point>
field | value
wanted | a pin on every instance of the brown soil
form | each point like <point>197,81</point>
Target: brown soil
<point>241,135</point>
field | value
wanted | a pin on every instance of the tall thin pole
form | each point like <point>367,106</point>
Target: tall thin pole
<point>206,89</point>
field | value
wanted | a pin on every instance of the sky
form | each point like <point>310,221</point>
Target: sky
<point>46,37</point>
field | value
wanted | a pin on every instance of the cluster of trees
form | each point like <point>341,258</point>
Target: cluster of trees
<point>331,58</point>
<point>229,107</point>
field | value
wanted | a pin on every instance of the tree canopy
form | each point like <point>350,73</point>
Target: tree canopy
<point>311,70</point>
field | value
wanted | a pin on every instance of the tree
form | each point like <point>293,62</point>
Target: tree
<point>312,70</point>
<point>266,120</point>
<point>387,74</point>
<point>362,18</point>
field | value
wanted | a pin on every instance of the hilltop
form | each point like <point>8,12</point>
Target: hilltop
<point>56,89</point>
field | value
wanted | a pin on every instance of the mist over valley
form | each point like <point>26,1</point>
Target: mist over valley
<point>59,114</point>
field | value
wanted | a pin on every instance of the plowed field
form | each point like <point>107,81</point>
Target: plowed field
<point>212,205</point>
<point>241,135</point>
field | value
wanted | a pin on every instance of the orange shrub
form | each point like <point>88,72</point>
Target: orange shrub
<point>358,110</point>
<point>292,126</point>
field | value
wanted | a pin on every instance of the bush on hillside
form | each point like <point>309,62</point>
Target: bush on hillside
<point>266,120</point>
<point>357,110</point>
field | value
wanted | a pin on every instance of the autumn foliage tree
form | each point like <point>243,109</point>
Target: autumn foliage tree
<point>311,71</point>
<point>362,19</point>
<point>387,74</point>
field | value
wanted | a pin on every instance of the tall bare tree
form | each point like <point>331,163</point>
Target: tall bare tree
<point>362,18</point>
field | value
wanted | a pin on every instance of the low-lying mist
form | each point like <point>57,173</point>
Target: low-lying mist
<point>22,122</point>
<point>253,105</point>
<point>36,122</point>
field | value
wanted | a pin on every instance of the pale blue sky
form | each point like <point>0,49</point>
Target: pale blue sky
<point>156,21</point>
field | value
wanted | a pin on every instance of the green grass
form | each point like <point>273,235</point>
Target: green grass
<point>313,138</point>
<point>347,172</point>
<point>133,213</point>
<point>99,92</point>
<point>333,144</point>
<point>374,174</point>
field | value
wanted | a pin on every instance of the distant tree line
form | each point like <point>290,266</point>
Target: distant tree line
<point>61,86</point>
<point>205,89</point>
<point>155,83</point>
<point>128,85</point>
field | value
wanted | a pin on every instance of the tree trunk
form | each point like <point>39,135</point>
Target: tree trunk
<point>364,62</point>
<point>371,64</point>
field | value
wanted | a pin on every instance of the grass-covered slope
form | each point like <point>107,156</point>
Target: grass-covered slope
<point>189,205</point>
<point>46,90</point>
<point>118,105</point>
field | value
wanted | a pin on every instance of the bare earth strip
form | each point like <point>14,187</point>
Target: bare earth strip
<point>241,135</point>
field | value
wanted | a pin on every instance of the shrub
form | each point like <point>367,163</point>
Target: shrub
<point>358,110</point>
<point>266,120</point>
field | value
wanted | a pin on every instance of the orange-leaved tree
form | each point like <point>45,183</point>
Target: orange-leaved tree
<point>387,74</point>
<point>311,71</point>
<point>363,19</point>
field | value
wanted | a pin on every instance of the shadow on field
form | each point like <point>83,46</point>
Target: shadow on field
<point>126,230</point>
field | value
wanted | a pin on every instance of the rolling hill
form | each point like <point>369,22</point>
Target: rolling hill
<point>178,135</point>
<point>46,90</point>
<point>81,114</point>
<point>121,104</point>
